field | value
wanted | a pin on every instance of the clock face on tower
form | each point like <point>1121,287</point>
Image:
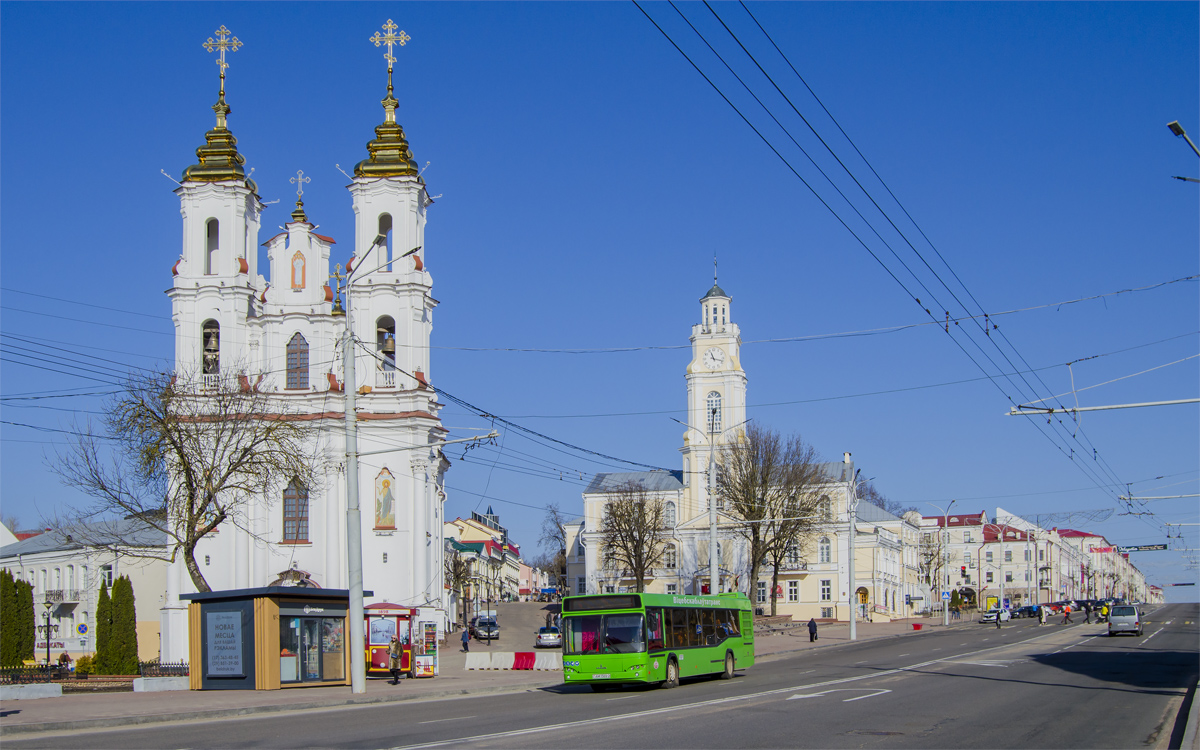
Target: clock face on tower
<point>714,358</point>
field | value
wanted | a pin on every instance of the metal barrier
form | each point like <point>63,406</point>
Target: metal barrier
<point>167,669</point>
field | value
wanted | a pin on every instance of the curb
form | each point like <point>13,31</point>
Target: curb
<point>225,713</point>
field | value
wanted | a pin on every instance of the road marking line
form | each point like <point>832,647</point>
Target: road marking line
<point>1156,632</point>
<point>841,690</point>
<point>864,661</point>
<point>623,698</point>
<point>456,718</point>
<point>899,655</point>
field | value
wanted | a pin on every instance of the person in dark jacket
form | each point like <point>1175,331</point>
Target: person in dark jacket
<point>395,653</point>
<point>466,639</point>
<point>812,629</point>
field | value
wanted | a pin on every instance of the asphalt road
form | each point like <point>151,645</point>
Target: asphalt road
<point>1022,686</point>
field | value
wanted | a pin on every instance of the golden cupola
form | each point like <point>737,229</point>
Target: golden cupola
<point>219,159</point>
<point>389,152</point>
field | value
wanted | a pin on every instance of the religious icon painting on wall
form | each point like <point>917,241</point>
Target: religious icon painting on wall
<point>385,500</point>
<point>298,270</point>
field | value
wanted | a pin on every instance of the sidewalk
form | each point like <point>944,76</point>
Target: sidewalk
<point>125,709</point>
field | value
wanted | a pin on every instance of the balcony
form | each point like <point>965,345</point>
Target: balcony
<point>385,378</point>
<point>792,567</point>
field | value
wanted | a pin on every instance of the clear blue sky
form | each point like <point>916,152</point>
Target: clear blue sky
<point>589,173</point>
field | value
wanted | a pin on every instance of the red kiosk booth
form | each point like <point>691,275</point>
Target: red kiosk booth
<point>383,621</point>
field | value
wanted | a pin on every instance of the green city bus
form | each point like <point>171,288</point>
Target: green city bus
<point>614,639</point>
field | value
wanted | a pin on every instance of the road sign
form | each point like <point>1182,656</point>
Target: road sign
<point>82,628</point>
<point>945,596</point>
<point>1143,548</point>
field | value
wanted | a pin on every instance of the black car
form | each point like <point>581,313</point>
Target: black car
<point>486,629</point>
<point>1027,611</point>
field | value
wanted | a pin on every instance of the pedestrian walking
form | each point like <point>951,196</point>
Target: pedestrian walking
<point>466,640</point>
<point>999,612</point>
<point>1087,613</point>
<point>395,652</point>
<point>812,629</point>
<point>1104,612</point>
<point>1041,614</point>
<point>1066,614</point>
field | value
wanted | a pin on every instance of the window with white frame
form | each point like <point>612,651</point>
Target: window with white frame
<point>669,515</point>
<point>1008,576</point>
<point>106,575</point>
<point>988,556</point>
<point>793,591</point>
<point>827,613</point>
<point>580,585</point>
<point>760,593</point>
<point>1007,555</point>
<point>989,576</point>
<point>713,405</point>
<point>826,507</point>
<point>672,588</point>
<point>967,559</point>
<point>792,556</point>
<point>1027,555</point>
<point>826,590</point>
<point>824,550</point>
<point>670,557</point>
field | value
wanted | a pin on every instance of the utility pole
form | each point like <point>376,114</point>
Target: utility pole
<point>852,504</point>
<point>358,668</point>
<point>713,563</point>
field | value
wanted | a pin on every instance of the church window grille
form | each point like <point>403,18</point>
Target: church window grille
<point>669,516</point>
<point>295,513</point>
<point>824,550</point>
<point>714,412</point>
<point>297,363</point>
<point>670,557</point>
<point>212,244</point>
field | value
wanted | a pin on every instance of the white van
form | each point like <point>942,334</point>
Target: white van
<point>1124,618</point>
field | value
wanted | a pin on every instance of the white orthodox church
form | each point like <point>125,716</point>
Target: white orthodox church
<point>283,325</point>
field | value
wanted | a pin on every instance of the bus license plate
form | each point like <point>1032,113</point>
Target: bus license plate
<point>601,677</point>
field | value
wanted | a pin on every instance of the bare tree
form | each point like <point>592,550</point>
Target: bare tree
<point>554,542</point>
<point>770,484</point>
<point>183,457</point>
<point>10,520</point>
<point>631,532</point>
<point>868,492</point>
<point>457,574</point>
<point>934,558</point>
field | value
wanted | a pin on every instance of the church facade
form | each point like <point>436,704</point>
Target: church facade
<point>280,330</point>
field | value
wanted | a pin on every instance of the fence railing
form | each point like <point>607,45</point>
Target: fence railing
<point>37,673</point>
<point>167,669</point>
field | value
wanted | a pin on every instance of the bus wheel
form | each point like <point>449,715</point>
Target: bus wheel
<point>672,674</point>
<point>728,673</point>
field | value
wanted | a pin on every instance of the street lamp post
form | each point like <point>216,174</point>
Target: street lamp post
<point>943,540</point>
<point>48,605</point>
<point>1178,130</point>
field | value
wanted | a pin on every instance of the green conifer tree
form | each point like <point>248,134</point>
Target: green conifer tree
<point>26,627</point>
<point>123,639</point>
<point>955,600</point>
<point>10,636</point>
<point>103,630</point>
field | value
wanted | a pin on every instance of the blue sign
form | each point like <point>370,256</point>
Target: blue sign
<point>82,628</point>
<point>945,596</point>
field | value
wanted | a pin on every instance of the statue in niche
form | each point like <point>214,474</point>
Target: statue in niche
<point>298,270</point>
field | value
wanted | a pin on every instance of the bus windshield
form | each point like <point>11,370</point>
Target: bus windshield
<point>604,634</point>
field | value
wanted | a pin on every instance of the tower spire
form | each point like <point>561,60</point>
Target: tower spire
<point>219,157</point>
<point>298,181</point>
<point>389,152</point>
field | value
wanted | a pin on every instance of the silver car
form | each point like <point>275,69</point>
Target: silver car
<point>1124,618</point>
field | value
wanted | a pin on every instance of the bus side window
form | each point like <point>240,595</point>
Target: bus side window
<point>694,638</point>
<point>731,622</point>
<point>708,627</point>
<point>654,629</point>
<point>679,628</point>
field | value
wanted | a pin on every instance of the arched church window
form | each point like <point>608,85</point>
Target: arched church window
<point>670,557</point>
<point>295,513</point>
<point>211,342</point>
<point>713,405</point>
<point>669,515</point>
<point>212,243</point>
<point>297,363</point>
<point>385,229</point>
<point>824,553</point>
<point>298,270</point>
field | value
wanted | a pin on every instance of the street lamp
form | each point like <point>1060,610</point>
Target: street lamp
<point>1177,129</point>
<point>945,538</point>
<point>48,604</point>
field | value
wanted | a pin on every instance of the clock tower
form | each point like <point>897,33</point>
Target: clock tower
<point>716,386</point>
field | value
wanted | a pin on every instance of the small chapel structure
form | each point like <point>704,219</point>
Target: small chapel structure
<point>283,327</point>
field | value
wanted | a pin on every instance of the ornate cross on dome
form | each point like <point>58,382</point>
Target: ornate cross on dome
<point>221,43</point>
<point>299,181</point>
<point>390,38</point>
<point>714,268</point>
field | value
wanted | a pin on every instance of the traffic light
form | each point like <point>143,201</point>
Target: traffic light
<point>963,569</point>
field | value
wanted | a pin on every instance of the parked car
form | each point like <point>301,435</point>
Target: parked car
<point>1124,618</point>
<point>992,614</point>
<point>486,629</point>
<point>1028,610</point>
<point>548,638</point>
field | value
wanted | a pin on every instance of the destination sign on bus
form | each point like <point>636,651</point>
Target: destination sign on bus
<point>602,602</point>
